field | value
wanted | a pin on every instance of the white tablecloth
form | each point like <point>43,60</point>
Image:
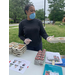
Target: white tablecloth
<point>33,69</point>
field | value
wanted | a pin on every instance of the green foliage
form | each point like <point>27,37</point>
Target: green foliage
<point>56,15</point>
<point>63,23</point>
<point>16,9</point>
<point>11,21</point>
<point>56,9</point>
<point>59,23</point>
<point>40,14</point>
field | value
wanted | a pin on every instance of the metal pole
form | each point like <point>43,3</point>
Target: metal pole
<point>44,11</point>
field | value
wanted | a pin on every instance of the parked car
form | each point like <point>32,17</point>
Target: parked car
<point>48,22</point>
<point>51,22</point>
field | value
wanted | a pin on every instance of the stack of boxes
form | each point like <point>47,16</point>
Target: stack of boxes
<point>17,49</point>
<point>40,57</point>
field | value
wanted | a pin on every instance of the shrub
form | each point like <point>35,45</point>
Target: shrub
<point>59,23</point>
<point>11,21</point>
<point>63,23</point>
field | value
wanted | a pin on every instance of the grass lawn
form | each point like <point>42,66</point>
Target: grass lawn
<point>56,30</point>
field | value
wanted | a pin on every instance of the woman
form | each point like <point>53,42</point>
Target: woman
<point>31,30</point>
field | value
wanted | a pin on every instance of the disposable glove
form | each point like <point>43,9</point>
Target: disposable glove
<point>27,41</point>
<point>49,38</point>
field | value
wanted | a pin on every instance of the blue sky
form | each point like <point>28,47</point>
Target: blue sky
<point>39,4</point>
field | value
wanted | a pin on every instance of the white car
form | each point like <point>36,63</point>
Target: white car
<point>48,22</point>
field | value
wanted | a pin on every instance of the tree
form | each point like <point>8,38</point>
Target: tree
<point>56,9</point>
<point>56,16</point>
<point>40,14</point>
<point>16,9</point>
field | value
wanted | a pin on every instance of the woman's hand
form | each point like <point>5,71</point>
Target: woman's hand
<point>49,38</point>
<point>27,41</point>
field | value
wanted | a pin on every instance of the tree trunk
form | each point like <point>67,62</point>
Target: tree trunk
<point>15,19</point>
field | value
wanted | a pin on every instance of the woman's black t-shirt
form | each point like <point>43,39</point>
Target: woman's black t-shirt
<point>32,29</point>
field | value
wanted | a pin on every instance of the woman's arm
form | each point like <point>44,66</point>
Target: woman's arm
<point>42,31</point>
<point>21,33</point>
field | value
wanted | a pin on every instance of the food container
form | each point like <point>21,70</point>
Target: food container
<point>61,39</point>
<point>40,57</point>
<point>10,48</point>
<point>17,54</point>
<point>13,43</point>
<point>41,61</point>
<point>39,51</point>
<point>36,61</point>
<point>54,40</point>
<point>57,39</point>
<point>19,49</point>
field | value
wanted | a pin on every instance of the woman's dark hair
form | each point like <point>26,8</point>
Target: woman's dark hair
<point>27,7</point>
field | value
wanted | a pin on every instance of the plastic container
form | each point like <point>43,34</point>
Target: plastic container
<point>17,49</point>
<point>41,61</point>
<point>57,39</point>
<point>14,43</point>
<point>36,61</point>
<point>11,45</point>
<point>40,57</point>
<point>17,54</point>
<point>39,51</point>
<point>10,48</point>
<point>61,39</point>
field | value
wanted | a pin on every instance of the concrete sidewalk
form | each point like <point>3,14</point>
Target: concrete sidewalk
<point>13,24</point>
